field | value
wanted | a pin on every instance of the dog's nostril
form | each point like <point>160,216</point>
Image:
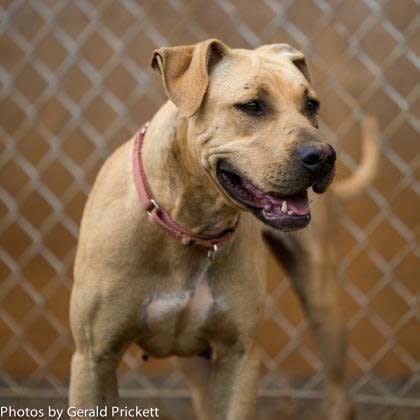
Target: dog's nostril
<point>310,157</point>
<point>317,158</point>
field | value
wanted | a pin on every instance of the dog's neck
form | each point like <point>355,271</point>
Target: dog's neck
<point>178,182</point>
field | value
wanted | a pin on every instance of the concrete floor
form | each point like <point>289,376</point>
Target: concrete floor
<point>267,409</point>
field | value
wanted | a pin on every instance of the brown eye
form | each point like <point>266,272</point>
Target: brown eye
<point>254,107</point>
<point>312,106</point>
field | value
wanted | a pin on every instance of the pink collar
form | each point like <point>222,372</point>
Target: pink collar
<point>161,217</point>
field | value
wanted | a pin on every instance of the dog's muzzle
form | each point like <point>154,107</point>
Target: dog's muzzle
<point>285,212</point>
<point>318,160</point>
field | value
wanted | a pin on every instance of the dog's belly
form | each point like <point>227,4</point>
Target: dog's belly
<point>175,323</point>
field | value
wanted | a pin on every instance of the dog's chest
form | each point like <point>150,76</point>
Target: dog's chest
<point>176,322</point>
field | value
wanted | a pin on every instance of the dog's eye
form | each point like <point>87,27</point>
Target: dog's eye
<point>312,106</point>
<point>254,107</point>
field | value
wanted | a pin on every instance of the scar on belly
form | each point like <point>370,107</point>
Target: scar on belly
<point>201,302</point>
<point>162,306</point>
<point>194,304</point>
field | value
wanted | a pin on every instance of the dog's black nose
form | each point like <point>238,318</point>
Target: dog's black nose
<point>317,159</point>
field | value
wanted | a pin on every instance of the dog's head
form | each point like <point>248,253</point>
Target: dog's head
<point>252,125</point>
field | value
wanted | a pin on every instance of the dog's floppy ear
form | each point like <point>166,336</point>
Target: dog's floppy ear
<point>299,60</point>
<point>294,55</point>
<point>185,72</point>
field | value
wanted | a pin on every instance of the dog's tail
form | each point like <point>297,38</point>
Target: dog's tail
<point>367,170</point>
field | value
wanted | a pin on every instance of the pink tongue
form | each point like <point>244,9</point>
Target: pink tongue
<point>298,204</point>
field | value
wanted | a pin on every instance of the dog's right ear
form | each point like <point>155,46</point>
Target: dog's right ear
<point>185,72</point>
<point>292,54</point>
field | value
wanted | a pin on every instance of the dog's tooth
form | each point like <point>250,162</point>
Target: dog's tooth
<point>290,212</point>
<point>284,207</point>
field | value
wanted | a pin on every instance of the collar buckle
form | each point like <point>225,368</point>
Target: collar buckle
<point>152,206</point>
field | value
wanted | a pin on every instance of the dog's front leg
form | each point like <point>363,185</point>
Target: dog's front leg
<point>93,381</point>
<point>224,388</point>
<point>197,371</point>
<point>233,384</point>
<point>101,335</point>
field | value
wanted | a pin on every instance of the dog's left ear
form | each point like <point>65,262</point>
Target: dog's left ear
<point>294,55</point>
<point>185,72</point>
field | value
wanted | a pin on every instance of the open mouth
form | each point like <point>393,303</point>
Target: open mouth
<point>289,212</point>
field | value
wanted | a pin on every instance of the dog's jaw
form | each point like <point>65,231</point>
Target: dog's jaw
<point>286,213</point>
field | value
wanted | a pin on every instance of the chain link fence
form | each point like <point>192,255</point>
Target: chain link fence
<point>75,83</point>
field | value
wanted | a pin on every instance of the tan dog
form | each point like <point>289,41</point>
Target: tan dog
<point>238,136</point>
